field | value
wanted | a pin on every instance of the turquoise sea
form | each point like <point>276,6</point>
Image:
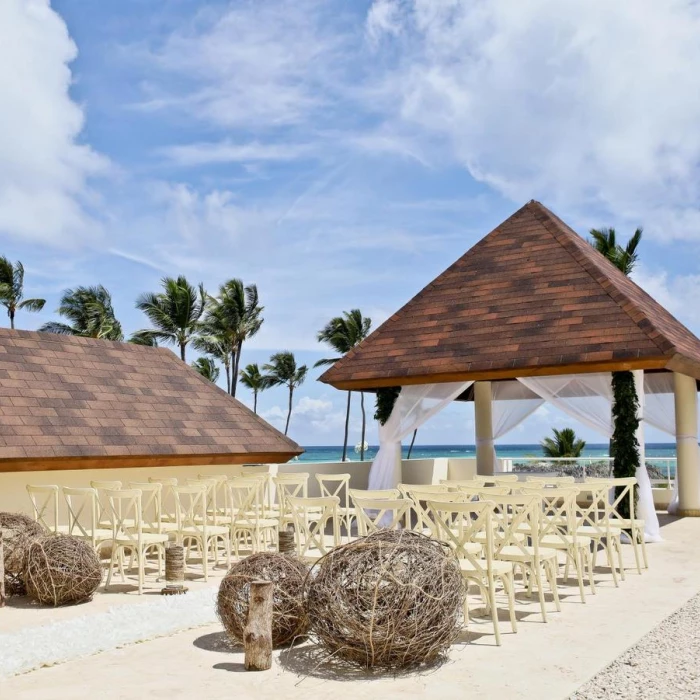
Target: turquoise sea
<point>656,453</point>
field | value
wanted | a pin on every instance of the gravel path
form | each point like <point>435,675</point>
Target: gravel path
<point>663,665</point>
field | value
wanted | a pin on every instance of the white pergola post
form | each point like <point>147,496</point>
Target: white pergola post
<point>483,424</point>
<point>688,464</point>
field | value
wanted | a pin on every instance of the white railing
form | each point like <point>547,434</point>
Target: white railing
<point>594,466</point>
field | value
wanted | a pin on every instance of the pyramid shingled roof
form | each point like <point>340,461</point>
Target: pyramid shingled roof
<point>531,298</point>
<point>71,403</point>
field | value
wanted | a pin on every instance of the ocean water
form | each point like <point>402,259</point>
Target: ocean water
<point>656,453</point>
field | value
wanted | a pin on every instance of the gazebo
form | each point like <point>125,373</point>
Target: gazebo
<point>531,313</point>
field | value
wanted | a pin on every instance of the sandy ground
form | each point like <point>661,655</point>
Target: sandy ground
<point>542,661</point>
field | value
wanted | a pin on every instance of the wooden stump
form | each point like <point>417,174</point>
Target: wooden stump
<point>257,636</point>
<point>2,573</point>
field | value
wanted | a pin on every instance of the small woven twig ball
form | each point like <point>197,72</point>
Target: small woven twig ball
<point>287,573</point>
<point>62,569</point>
<point>392,599</point>
<point>21,531</point>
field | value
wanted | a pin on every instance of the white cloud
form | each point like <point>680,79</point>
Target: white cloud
<point>45,169</point>
<point>586,105</point>
<point>680,294</point>
<point>227,151</point>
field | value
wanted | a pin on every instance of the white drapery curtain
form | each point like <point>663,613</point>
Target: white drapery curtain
<point>414,406</point>
<point>588,399</point>
<point>660,411</point>
<point>512,404</point>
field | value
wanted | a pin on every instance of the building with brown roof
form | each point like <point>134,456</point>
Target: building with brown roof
<point>80,403</point>
<point>532,298</point>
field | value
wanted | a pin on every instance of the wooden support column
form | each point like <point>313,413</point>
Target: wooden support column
<point>257,635</point>
<point>688,464</point>
<point>483,424</point>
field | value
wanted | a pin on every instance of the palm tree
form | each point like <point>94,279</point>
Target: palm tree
<point>236,315</point>
<point>605,242</point>
<point>564,444</point>
<point>282,370</point>
<point>90,311</point>
<point>207,368</point>
<point>146,340</point>
<point>12,290</point>
<point>252,378</point>
<point>174,312</point>
<point>343,333</point>
<point>216,347</point>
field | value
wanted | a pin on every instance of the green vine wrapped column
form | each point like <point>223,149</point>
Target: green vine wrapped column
<point>625,446</point>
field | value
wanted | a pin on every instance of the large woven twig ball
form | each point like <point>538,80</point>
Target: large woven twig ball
<point>19,532</point>
<point>62,569</point>
<point>392,599</point>
<point>288,615</point>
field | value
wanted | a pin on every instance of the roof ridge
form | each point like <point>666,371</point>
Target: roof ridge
<point>548,218</point>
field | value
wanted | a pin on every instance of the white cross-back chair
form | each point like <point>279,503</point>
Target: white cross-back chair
<point>196,525</point>
<point>460,525</point>
<point>103,516</point>
<point>513,515</point>
<point>249,526</point>
<point>623,494</point>
<point>167,499</point>
<point>421,520</point>
<point>81,504</point>
<point>311,518</point>
<point>286,486</point>
<point>44,500</point>
<point>124,508</point>
<point>338,486</point>
<point>152,507</point>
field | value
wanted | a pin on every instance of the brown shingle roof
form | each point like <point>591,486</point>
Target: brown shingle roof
<point>530,298</point>
<point>65,400</point>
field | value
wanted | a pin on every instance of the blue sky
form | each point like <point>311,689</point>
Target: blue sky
<point>339,154</point>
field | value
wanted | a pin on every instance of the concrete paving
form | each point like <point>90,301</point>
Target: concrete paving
<point>542,661</point>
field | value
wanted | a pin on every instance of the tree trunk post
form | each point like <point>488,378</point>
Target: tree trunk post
<point>257,635</point>
<point>255,402</point>
<point>2,573</point>
<point>347,427</point>
<point>364,427</point>
<point>289,412</point>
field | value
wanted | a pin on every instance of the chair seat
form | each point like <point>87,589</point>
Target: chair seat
<point>513,553</point>
<point>564,541</point>
<point>499,568</point>
<point>164,527</point>
<point>252,524</point>
<point>627,524</point>
<point>99,534</point>
<point>597,532</point>
<point>191,530</point>
<point>471,547</point>
<point>146,538</point>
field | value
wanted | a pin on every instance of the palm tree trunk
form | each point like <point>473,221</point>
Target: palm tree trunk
<point>347,427</point>
<point>228,378</point>
<point>413,439</point>
<point>232,388</point>
<point>289,412</point>
<point>255,402</point>
<point>364,425</point>
<point>182,351</point>
<point>234,379</point>
<point>12,318</point>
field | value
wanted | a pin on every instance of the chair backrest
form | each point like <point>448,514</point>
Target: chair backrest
<point>211,486</point>
<point>622,493</point>
<point>389,494</point>
<point>550,480</point>
<point>167,499</point>
<point>593,506</point>
<point>294,485</point>
<point>460,523</point>
<point>380,513</point>
<point>44,500</point>
<point>558,512</point>
<point>335,485</point>
<point>102,506</point>
<point>419,495</point>
<point>483,492</point>
<point>82,511</point>
<point>512,514</point>
<point>151,503</point>
<point>498,479</point>
<point>245,499</point>
<point>454,483</point>
<point>310,517</point>
<point>191,506</point>
<point>124,511</point>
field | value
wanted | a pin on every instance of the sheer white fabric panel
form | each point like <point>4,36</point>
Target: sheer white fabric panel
<point>512,404</point>
<point>414,406</point>
<point>660,411</point>
<point>645,504</point>
<point>585,397</point>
